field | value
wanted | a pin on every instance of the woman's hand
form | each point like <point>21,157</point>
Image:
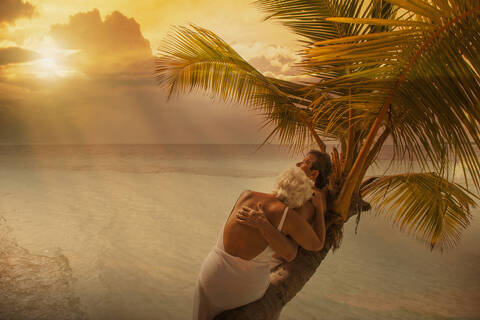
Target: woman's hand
<point>283,246</point>
<point>319,200</point>
<point>252,218</point>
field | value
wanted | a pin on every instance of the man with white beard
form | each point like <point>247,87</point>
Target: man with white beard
<point>237,270</point>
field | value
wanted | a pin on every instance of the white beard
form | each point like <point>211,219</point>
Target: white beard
<point>293,187</point>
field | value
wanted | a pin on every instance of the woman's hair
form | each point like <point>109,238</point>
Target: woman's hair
<point>324,166</point>
<point>293,187</point>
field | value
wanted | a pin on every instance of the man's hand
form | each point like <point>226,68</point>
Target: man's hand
<point>252,218</point>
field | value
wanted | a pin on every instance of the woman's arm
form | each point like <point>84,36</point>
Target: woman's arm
<point>281,244</point>
<point>294,244</point>
<point>320,203</point>
<point>308,237</point>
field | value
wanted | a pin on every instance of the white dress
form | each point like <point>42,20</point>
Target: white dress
<point>227,282</point>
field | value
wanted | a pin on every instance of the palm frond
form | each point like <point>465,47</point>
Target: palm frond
<point>310,19</point>
<point>425,205</point>
<point>197,59</point>
<point>380,22</point>
<point>307,18</point>
<point>425,87</point>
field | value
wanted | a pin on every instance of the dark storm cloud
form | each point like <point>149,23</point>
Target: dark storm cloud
<point>11,55</point>
<point>11,10</point>
<point>114,44</point>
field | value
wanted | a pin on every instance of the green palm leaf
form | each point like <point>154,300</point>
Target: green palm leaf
<point>310,19</point>
<point>424,85</point>
<point>408,68</point>
<point>423,204</point>
<point>307,18</point>
<point>197,59</point>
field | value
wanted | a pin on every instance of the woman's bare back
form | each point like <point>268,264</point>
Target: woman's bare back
<point>246,242</point>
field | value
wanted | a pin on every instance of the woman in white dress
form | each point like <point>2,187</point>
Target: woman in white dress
<point>237,270</point>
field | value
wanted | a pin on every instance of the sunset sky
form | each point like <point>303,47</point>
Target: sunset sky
<point>79,72</point>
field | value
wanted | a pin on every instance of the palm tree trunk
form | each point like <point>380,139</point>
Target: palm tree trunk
<point>285,282</point>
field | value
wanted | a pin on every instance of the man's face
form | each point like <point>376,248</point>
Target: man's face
<point>306,165</point>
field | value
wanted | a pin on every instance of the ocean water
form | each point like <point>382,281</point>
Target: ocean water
<point>119,232</point>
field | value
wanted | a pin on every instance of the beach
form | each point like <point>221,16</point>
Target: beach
<point>120,231</point>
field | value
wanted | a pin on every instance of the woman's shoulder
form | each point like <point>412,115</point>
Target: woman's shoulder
<point>274,205</point>
<point>269,201</point>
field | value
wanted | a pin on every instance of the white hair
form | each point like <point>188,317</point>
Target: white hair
<point>293,187</point>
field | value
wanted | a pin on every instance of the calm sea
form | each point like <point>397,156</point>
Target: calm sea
<point>119,232</point>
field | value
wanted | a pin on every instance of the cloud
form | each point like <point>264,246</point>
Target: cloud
<point>13,10</point>
<point>271,60</point>
<point>279,65</point>
<point>12,55</point>
<point>110,96</point>
<point>112,45</point>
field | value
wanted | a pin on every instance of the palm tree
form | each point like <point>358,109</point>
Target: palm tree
<point>407,71</point>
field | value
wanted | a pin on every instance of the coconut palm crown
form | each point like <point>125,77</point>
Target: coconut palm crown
<point>400,71</point>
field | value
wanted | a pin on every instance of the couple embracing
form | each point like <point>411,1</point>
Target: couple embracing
<point>262,231</point>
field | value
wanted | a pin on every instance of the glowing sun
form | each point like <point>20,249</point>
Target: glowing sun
<point>48,67</point>
<point>49,63</point>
